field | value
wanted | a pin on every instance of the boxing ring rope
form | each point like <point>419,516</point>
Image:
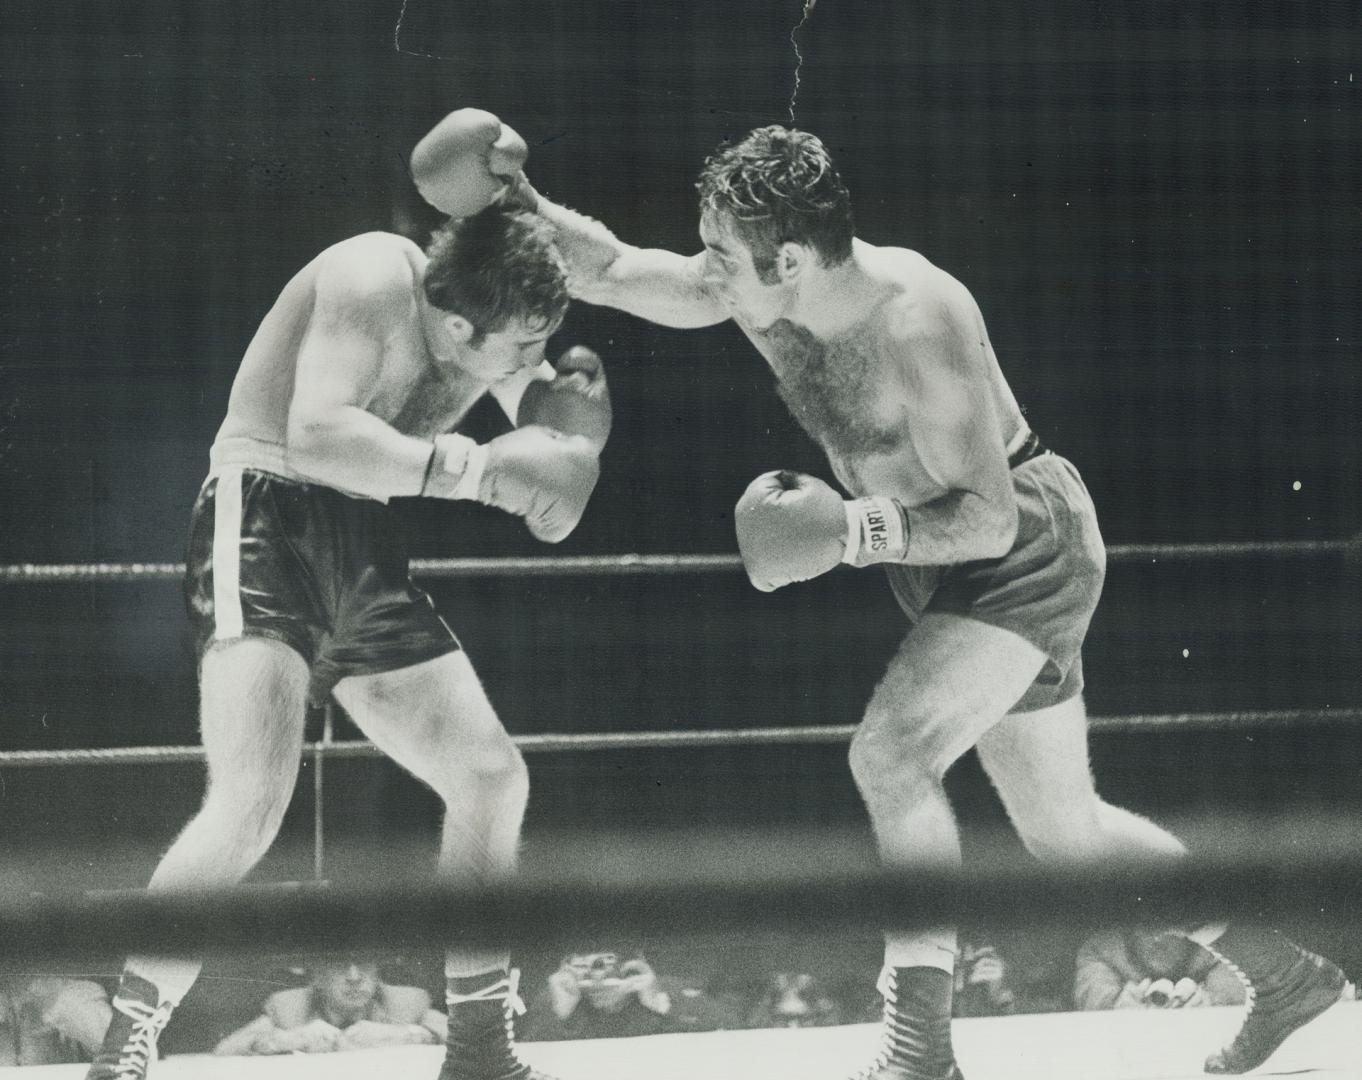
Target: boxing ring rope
<point>326,747</point>
<point>1349,548</point>
<point>630,564</point>
<point>1315,871</point>
<point>1311,870</point>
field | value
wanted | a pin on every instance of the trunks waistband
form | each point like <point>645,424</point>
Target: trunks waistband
<point>243,452</point>
<point>1029,447</point>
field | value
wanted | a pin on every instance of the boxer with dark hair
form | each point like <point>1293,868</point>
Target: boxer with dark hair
<point>990,543</point>
<point>298,583</point>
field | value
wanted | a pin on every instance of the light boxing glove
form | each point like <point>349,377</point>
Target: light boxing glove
<point>793,527</point>
<point>466,162</point>
<point>576,401</point>
<point>536,473</point>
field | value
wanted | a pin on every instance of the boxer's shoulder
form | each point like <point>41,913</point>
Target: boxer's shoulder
<point>376,271</point>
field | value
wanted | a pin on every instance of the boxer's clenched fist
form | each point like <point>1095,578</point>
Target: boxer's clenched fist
<point>466,162</point>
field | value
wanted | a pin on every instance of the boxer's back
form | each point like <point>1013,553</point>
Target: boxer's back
<point>410,394</point>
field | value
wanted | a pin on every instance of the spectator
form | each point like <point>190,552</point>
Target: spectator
<point>51,1019</point>
<point>614,993</point>
<point>347,1006</point>
<point>794,999</point>
<point>1013,973</point>
<point>1151,971</point>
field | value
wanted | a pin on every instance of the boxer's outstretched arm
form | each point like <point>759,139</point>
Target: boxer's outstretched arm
<point>660,286</point>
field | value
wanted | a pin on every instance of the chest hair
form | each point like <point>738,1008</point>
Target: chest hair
<point>833,388</point>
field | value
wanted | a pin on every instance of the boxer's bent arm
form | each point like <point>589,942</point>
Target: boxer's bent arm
<point>331,437</point>
<point>957,436</point>
<point>660,286</point>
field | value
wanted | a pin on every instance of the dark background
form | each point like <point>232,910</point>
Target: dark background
<point>1156,205</point>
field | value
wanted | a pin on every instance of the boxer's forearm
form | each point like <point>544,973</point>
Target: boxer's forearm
<point>959,526</point>
<point>651,283</point>
<point>588,247</point>
<point>355,451</point>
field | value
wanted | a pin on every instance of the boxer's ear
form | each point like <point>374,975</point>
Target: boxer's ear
<point>459,328</point>
<point>791,261</point>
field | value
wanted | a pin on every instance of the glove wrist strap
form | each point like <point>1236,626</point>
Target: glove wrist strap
<point>877,531</point>
<point>465,459</point>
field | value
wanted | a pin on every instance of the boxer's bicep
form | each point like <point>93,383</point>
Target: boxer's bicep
<point>340,356</point>
<point>332,437</point>
<point>956,432</point>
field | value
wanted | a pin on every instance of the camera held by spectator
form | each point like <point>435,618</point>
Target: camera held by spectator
<point>615,992</point>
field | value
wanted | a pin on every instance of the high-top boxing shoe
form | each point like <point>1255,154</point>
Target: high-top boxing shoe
<point>481,1045</point>
<point>139,1017</point>
<point>1287,988</point>
<point>916,1042</point>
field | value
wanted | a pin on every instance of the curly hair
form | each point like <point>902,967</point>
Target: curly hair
<point>779,185</point>
<point>494,267</point>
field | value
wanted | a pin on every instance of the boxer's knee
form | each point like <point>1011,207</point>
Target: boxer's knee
<point>249,806</point>
<point>891,763</point>
<point>489,765</point>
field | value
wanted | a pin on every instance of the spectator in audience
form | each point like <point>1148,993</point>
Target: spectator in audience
<point>346,1006</point>
<point>615,992</point>
<point>1117,970</point>
<point>795,999</point>
<point>1013,973</point>
<point>51,1019</point>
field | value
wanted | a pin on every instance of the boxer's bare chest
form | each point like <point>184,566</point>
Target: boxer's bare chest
<point>419,395</point>
<point>847,393</point>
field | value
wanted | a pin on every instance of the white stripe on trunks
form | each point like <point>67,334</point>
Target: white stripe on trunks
<point>227,619</point>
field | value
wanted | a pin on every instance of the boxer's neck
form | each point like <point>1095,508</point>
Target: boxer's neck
<point>830,301</point>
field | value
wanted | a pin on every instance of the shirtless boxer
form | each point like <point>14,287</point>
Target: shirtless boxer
<point>298,582</point>
<point>990,542</point>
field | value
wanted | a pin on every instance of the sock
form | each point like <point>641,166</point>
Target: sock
<point>172,976</point>
<point>463,965</point>
<point>935,948</point>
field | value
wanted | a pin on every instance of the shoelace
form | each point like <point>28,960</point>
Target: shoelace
<point>507,989</point>
<point>885,985</point>
<point>147,1023</point>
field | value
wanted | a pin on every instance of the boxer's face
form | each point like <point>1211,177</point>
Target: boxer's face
<point>503,352</point>
<point>731,275</point>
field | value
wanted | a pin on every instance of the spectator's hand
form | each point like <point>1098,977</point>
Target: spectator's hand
<point>565,991</point>
<point>363,1034</point>
<point>989,971</point>
<point>314,1037</point>
<point>1159,994</point>
<point>1132,995</point>
<point>1187,993</point>
<point>640,979</point>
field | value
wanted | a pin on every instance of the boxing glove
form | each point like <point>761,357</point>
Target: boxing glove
<point>792,527</point>
<point>466,162</point>
<point>536,473</point>
<point>576,401</point>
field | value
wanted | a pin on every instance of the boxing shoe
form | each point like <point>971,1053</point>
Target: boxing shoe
<point>1287,988</point>
<point>129,1048</point>
<point>481,1043</point>
<point>916,1040</point>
